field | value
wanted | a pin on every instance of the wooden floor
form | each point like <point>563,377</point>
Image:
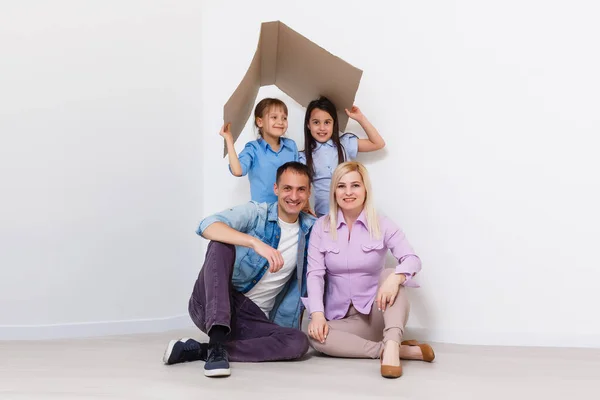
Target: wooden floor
<point>130,367</point>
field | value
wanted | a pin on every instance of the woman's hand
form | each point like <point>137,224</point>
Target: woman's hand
<point>318,328</point>
<point>386,295</point>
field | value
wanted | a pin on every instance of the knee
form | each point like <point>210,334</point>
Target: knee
<point>384,274</point>
<point>402,296</point>
<point>298,344</point>
<point>220,248</point>
<point>322,348</point>
<point>221,253</point>
<point>316,345</point>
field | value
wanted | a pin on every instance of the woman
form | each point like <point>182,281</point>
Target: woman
<point>362,310</point>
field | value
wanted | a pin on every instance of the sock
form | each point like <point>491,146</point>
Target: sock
<point>217,334</point>
<point>203,352</point>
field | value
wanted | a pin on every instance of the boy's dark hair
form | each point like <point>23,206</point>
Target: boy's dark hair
<point>322,103</point>
<point>295,166</point>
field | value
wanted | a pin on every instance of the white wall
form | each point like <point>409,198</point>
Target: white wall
<point>109,113</point>
<point>490,113</point>
<point>101,165</point>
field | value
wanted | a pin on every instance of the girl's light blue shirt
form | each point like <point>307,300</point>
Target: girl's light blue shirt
<point>325,161</point>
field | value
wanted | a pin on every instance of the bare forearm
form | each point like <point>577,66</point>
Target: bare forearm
<point>221,232</point>
<point>375,138</point>
<point>234,161</point>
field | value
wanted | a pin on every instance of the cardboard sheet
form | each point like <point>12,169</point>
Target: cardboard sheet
<point>297,66</point>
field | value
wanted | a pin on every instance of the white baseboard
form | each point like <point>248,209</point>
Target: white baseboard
<point>91,329</point>
<point>106,328</point>
<point>527,339</point>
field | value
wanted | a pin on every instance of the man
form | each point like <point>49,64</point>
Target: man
<point>247,295</point>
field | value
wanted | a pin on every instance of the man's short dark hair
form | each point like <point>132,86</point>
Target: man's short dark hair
<point>296,167</point>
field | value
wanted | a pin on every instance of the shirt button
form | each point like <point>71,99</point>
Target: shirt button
<point>253,281</point>
<point>276,237</point>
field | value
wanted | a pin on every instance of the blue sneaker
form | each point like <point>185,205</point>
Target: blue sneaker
<point>217,362</point>
<point>183,350</point>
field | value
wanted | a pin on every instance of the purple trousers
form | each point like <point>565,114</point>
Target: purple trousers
<point>252,337</point>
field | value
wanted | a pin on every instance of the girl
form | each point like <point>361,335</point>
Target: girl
<point>324,148</point>
<point>261,158</point>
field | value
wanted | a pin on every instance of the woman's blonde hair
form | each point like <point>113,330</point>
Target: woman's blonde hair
<point>368,207</point>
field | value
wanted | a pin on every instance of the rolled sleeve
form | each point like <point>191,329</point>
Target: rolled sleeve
<point>350,143</point>
<point>302,157</point>
<point>246,158</point>
<point>241,218</point>
<point>409,266</point>
<point>293,147</point>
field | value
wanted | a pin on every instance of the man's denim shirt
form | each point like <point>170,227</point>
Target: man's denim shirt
<point>260,220</point>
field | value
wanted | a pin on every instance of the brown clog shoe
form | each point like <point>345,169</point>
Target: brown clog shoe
<point>390,371</point>
<point>427,350</point>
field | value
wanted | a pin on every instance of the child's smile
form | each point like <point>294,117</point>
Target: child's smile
<point>320,125</point>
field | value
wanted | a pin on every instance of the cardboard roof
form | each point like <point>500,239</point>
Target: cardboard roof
<point>299,68</point>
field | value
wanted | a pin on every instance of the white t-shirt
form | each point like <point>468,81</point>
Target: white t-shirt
<point>263,294</point>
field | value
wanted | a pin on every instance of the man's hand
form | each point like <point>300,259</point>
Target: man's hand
<point>386,295</point>
<point>318,328</point>
<point>273,256</point>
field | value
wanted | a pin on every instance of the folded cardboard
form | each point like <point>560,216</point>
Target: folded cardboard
<point>297,66</point>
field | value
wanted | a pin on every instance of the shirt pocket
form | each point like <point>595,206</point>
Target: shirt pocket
<point>329,248</point>
<point>247,268</point>
<point>256,259</point>
<point>372,246</point>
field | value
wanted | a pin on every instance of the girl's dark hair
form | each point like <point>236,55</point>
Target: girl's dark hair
<point>265,105</point>
<point>322,103</point>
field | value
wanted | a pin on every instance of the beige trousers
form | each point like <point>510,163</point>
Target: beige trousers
<point>363,336</point>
